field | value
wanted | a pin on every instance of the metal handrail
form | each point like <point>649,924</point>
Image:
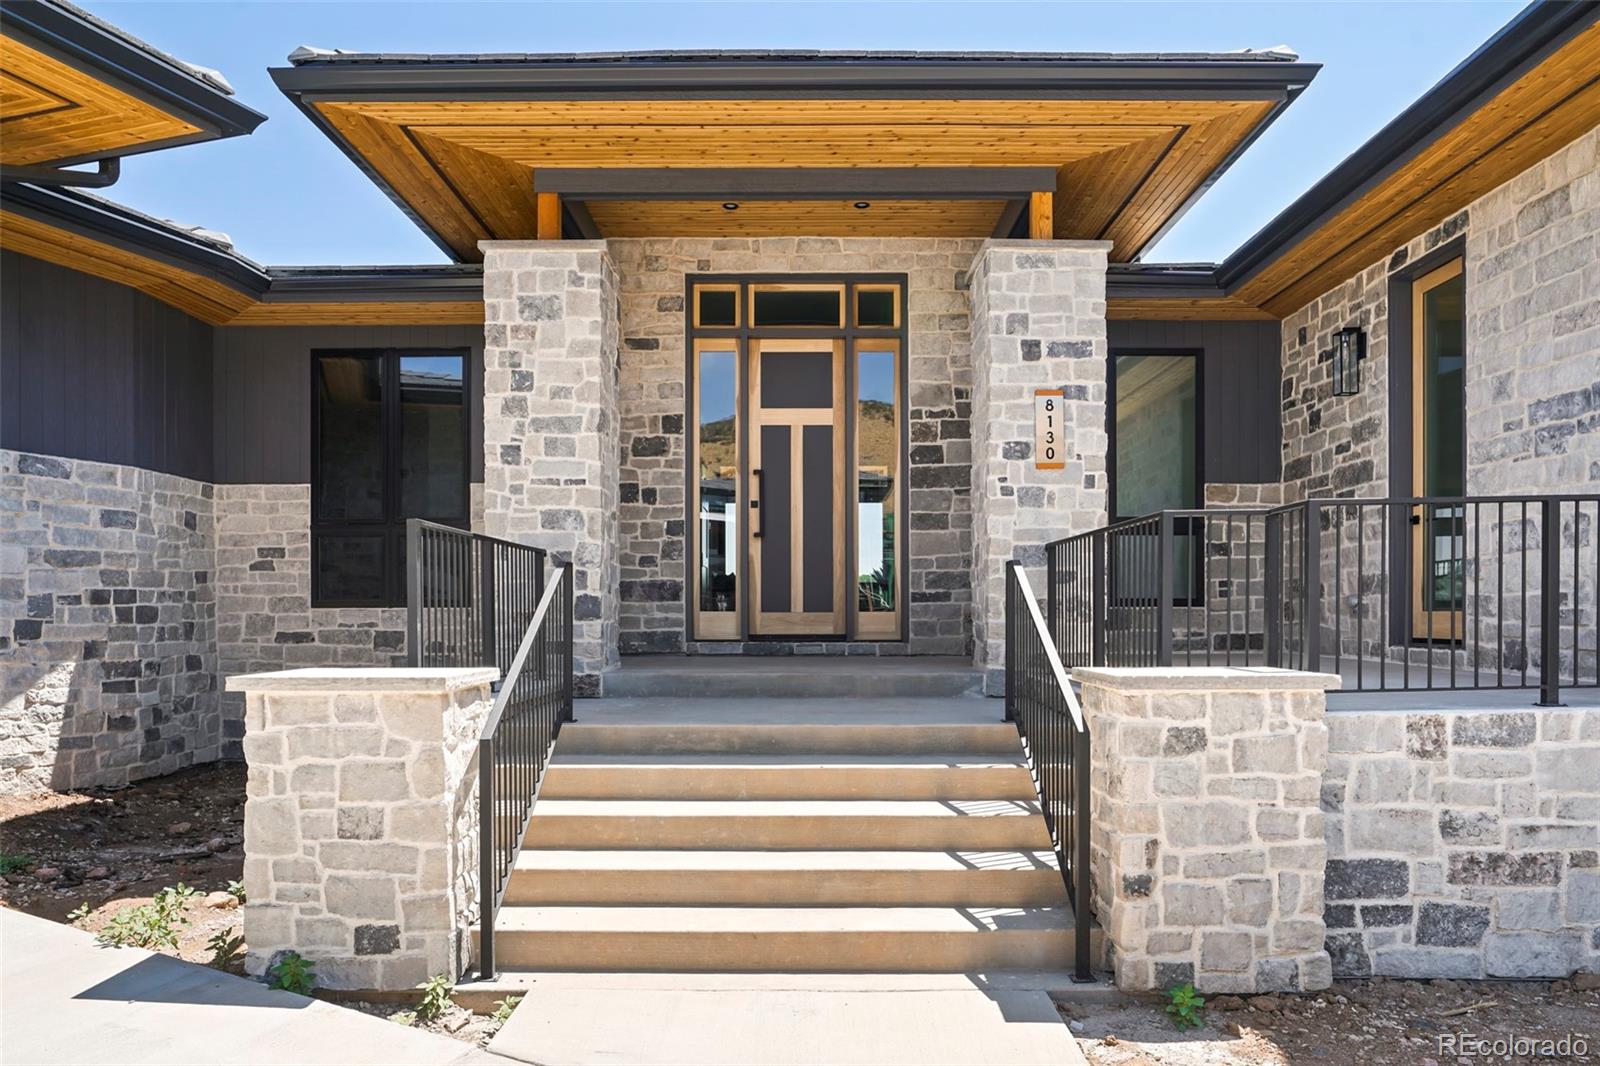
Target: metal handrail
<point>468,595</point>
<point>1490,584</point>
<point>514,747</point>
<point>1055,736</point>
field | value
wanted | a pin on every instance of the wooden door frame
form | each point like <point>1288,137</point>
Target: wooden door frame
<point>741,334</point>
<point>1425,624</point>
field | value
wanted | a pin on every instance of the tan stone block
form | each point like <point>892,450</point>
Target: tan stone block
<point>1222,952</point>
<point>425,913</point>
<point>263,749</point>
<point>368,855</point>
<point>322,933</point>
<point>271,827</point>
<point>1271,754</point>
<point>420,823</point>
<point>1249,901</point>
<point>414,716</point>
<point>349,896</point>
<point>302,871</point>
<point>373,779</point>
<point>1213,823</point>
<point>268,927</point>
<point>1185,905</point>
<point>354,707</point>
<point>313,777</point>
<point>292,710</point>
<point>1297,936</point>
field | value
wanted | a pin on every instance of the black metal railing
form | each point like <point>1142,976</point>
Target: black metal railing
<point>535,698</point>
<point>468,596</point>
<point>1392,594</point>
<point>1041,702</point>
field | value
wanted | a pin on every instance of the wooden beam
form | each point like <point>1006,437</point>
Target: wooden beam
<point>549,208</point>
<point>796,183</point>
<point>1041,216</point>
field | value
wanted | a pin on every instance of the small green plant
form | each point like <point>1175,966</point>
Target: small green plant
<point>236,890</point>
<point>151,925</point>
<point>292,973</point>
<point>503,1009</point>
<point>10,864</point>
<point>435,997</point>
<point>78,913</point>
<point>1185,1005</point>
<point>223,945</point>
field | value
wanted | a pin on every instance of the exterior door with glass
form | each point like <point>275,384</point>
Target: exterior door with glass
<point>796,513</point>
<point>1438,452</point>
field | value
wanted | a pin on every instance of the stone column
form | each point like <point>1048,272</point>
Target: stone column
<point>551,440</point>
<point>361,822</point>
<point>1208,849</point>
<point>1038,322</point>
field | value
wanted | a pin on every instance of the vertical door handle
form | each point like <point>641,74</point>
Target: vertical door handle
<point>755,504</point>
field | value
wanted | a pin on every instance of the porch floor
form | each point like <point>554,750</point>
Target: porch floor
<point>791,676</point>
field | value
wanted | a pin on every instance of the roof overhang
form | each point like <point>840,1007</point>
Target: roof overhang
<point>464,143</point>
<point>1531,89</point>
<point>208,280</point>
<point>74,89</point>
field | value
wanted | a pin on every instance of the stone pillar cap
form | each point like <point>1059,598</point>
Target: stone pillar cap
<point>334,679</point>
<point>1204,678</point>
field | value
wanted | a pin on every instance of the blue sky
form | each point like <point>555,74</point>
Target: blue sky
<point>287,196</point>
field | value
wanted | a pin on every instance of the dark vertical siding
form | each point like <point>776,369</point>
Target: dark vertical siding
<point>1240,378</point>
<point>262,393</point>
<point>90,369</point>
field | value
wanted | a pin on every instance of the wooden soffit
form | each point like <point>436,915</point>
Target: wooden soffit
<point>51,112</point>
<point>1546,108</point>
<point>468,169</point>
<point>209,299</point>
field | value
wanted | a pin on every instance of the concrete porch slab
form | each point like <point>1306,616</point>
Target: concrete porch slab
<point>69,1000</point>
<point>783,676</point>
<point>777,1019</point>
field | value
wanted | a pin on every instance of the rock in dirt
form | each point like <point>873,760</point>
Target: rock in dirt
<point>1268,1004</point>
<point>96,873</point>
<point>1226,1003</point>
<point>1586,982</point>
<point>47,873</point>
<point>221,900</point>
<point>216,844</point>
<point>179,828</point>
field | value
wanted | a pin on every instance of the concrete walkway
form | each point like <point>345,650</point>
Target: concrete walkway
<point>66,999</point>
<point>785,1020</point>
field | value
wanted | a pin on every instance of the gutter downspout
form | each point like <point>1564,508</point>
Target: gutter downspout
<point>106,174</point>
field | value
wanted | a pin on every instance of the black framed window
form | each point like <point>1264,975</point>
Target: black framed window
<point>388,443</point>
<point>1155,463</point>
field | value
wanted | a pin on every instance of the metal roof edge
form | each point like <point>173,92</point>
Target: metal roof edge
<point>1536,31</point>
<point>134,66</point>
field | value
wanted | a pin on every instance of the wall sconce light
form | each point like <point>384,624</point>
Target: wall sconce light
<point>1349,348</point>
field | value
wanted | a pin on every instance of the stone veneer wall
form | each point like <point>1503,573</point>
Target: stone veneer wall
<point>1533,342</point>
<point>653,406</point>
<point>107,652</point>
<point>550,380</point>
<point>1038,321</point>
<point>361,822</point>
<point>265,620</point>
<point>1207,844</point>
<point>1463,844</point>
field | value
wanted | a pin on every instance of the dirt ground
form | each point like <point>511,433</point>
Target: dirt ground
<point>82,858</point>
<point>1375,1022</point>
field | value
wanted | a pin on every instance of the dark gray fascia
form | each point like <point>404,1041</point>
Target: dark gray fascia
<point>1530,37</point>
<point>1172,281</point>
<point>109,223</point>
<point>778,75</point>
<point>413,284</point>
<point>132,66</point>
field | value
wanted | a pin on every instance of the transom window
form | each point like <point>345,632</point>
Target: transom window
<point>388,443</point>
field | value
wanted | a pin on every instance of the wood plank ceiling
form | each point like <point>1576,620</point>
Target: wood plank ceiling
<point>469,169</point>
<point>50,111</point>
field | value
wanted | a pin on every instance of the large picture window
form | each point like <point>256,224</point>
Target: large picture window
<point>388,443</point>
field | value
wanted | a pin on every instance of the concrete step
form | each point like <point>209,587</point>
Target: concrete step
<point>796,776</point>
<point>791,677</point>
<point>789,939</point>
<point>792,738</point>
<point>981,825</point>
<point>788,878</point>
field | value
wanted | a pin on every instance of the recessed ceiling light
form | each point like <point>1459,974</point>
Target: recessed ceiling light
<point>862,205</point>
<point>730,206</point>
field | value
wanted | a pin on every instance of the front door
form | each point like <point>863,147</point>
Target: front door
<point>797,503</point>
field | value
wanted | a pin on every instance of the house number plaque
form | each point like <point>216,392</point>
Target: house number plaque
<point>1048,443</point>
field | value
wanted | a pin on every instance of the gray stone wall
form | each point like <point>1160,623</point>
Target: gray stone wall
<point>107,624</point>
<point>1206,838</point>
<point>361,822</point>
<point>1533,345</point>
<point>551,435</point>
<point>653,416</point>
<point>1038,321</point>
<point>1463,844</point>
<point>1533,328</point>
<point>265,620</point>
